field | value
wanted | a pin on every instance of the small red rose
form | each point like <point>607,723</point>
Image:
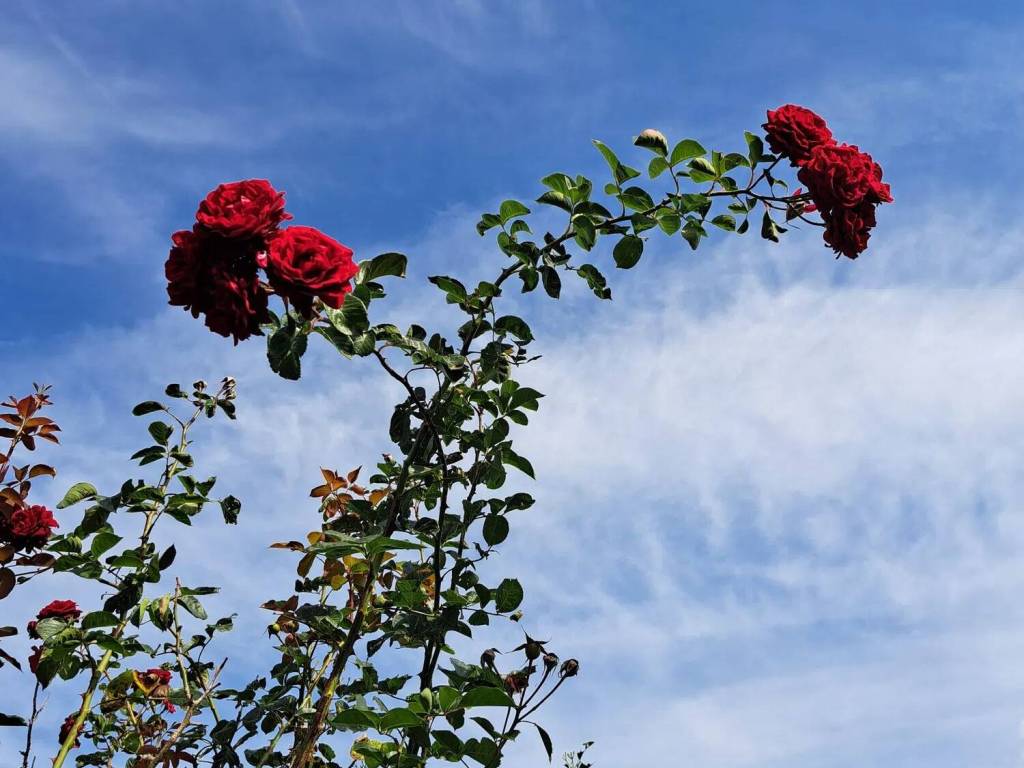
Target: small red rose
<point>795,131</point>
<point>242,209</point>
<point>157,676</point>
<point>303,263</point>
<point>28,527</point>
<point>847,229</point>
<point>60,609</point>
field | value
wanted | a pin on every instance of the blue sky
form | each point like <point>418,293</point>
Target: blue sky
<point>784,489</point>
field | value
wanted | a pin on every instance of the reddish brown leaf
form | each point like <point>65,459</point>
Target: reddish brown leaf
<point>6,582</point>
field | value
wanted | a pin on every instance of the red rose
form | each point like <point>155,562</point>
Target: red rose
<point>842,175</point>
<point>157,676</point>
<point>238,302</point>
<point>33,659</point>
<point>794,132</point>
<point>67,727</point>
<point>847,229</point>
<point>217,277</point>
<point>303,263</point>
<point>60,609</point>
<point>242,209</point>
<point>846,185</point>
<point>28,528</point>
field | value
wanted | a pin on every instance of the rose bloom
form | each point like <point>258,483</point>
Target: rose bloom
<point>157,676</point>
<point>303,263</point>
<point>216,277</point>
<point>842,175</point>
<point>846,185</point>
<point>793,132</point>
<point>242,209</point>
<point>847,229</point>
<point>28,527</point>
<point>60,609</point>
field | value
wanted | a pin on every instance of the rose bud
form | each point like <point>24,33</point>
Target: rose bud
<point>533,649</point>
<point>550,661</point>
<point>569,668</point>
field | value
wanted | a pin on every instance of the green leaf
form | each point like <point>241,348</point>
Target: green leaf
<point>725,221</point>
<point>585,233</point>
<point>769,229</point>
<point>230,507</point>
<point>597,282</point>
<point>701,170</point>
<point>495,529</point>
<point>359,719</point>
<point>510,209</point>
<point>76,493</point>
<point>193,606</point>
<point>546,739</point>
<point>552,282</point>
<point>657,166</point>
<point>627,251</point>
<point>556,199</point>
<point>558,182</point>
<point>352,315</point>
<point>102,542</point>
<point>149,406</point>
<point>686,149</point>
<point>622,173</point>
<point>485,696</point>
<point>160,432</point>
<point>508,596</point>
<point>755,147</point>
<point>669,222</point>
<point>285,348</point>
<point>488,221</point>
<point>515,326</point>
<point>384,265</point>
<point>447,697</point>
<point>512,459</point>
<point>456,291</point>
<point>636,199</point>
<point>167,558</point>
<point>98,619</point>
<point>47,628</point>
<point>398,718</point>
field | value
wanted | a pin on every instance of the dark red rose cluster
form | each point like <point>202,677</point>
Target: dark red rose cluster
<point>27,528</point>
<point>214,268</point>
<point>844,183</point>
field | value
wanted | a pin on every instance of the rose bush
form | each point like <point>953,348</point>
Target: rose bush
<point>390,569</point>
